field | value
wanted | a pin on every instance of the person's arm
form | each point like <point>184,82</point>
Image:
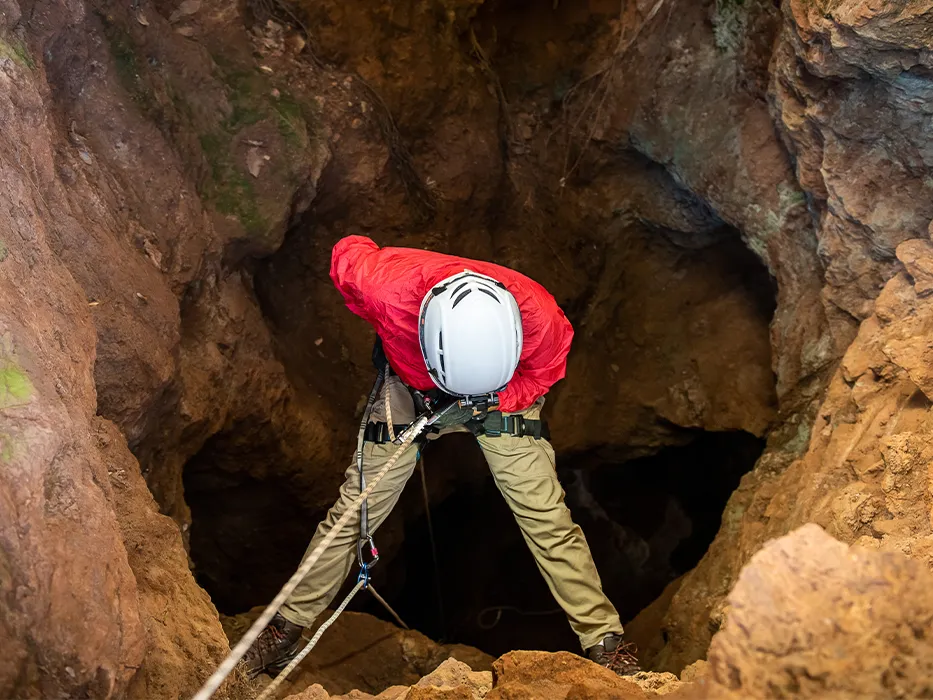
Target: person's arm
<point>547,338</point>
<point>352,266</point>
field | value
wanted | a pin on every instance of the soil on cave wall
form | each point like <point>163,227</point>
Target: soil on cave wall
<point>172,183</point>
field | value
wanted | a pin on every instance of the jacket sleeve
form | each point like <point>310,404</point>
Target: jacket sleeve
<point>547,338</point>
<point>352,264</point>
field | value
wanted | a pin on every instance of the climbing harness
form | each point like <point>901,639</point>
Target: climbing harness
<point>366,540</point>
<point>493,425</point>
<point>407,437</point>
<point>497,424</point>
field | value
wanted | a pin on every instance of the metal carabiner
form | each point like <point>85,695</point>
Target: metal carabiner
<point>365,566</point>
<point>364,576</point>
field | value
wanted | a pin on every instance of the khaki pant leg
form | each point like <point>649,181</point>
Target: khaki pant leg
<point>524,471</point>
<point>323,582</point>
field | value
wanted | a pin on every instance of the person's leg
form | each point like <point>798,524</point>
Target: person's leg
<point>524,471</point>
<point>318,589</point>
<point>321,585</point>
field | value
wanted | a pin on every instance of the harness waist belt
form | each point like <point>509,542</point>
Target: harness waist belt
<point>497,424</point>
<point>494,425</point>
<point>379,432</point>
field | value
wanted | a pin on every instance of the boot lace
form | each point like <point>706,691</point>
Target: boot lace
<point>270,640</point>
<point>622,659</point>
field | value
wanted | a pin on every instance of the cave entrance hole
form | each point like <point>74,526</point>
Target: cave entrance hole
<point>648,521</point>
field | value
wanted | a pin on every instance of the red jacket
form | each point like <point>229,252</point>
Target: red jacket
<point>386,286</point>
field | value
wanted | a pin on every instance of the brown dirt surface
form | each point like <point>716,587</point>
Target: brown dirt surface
<point>361,652</point>
<point>175,665</point>
<point>561,676</point>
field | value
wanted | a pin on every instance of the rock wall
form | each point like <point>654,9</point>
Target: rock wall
<point>651,277</point>
<point>173,177</point>
<point>845,81</point>
<point>119,323</point>
<point>88,564</point>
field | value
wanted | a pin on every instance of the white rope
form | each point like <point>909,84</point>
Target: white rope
<point>360,441</point>
<point>279,679</point>
<point>389,405</point>
<point>233,658</point>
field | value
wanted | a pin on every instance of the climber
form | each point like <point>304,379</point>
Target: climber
<point>452,327</point>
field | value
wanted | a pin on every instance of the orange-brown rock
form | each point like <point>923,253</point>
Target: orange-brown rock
<point>362,653</point>
<point>812,618</point>
<point>524,675</point>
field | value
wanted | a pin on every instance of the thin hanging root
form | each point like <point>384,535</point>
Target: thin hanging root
<point>601,89</point>
<point>280,11</point>
<point>486,66</point>
<point>424,198</point>
<point>217,678</point>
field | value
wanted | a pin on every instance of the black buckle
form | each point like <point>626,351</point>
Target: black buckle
<point>515,426</point>
<point>379,432</point>
<point>493,424</point>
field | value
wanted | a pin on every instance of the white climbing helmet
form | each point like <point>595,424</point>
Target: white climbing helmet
<point>470,331</point>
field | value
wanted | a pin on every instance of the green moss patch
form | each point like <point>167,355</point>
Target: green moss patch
<point>6,448</point>
<point>229,187</point>
<point>15,387</point>
<point>18,52</point>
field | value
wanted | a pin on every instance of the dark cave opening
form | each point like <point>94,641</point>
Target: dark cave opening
<point>647,521</point>
<point>249,528</point>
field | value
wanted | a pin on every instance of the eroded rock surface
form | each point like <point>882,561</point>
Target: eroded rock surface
<point>812,618</point>
<point>519,676</point>
<point>802,615</point>
<point>364,654</point>
<point>90,571</point>
<point>845,87</point>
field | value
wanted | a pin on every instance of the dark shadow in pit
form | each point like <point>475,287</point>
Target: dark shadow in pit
<point>648,522</point>
<point>248,533</point>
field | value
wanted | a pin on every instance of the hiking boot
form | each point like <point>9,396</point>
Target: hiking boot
<point>616,655</point>
<point>275,647</point>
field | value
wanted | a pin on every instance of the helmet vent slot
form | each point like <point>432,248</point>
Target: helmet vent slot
<point>486,291</point>
<point>460,298</point>
<point>440,347</point>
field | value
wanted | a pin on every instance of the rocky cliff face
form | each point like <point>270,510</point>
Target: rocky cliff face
<point>729,199</point>
<point>846,80</point>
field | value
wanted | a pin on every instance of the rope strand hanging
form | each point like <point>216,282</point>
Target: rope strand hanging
<point>233,658</point>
